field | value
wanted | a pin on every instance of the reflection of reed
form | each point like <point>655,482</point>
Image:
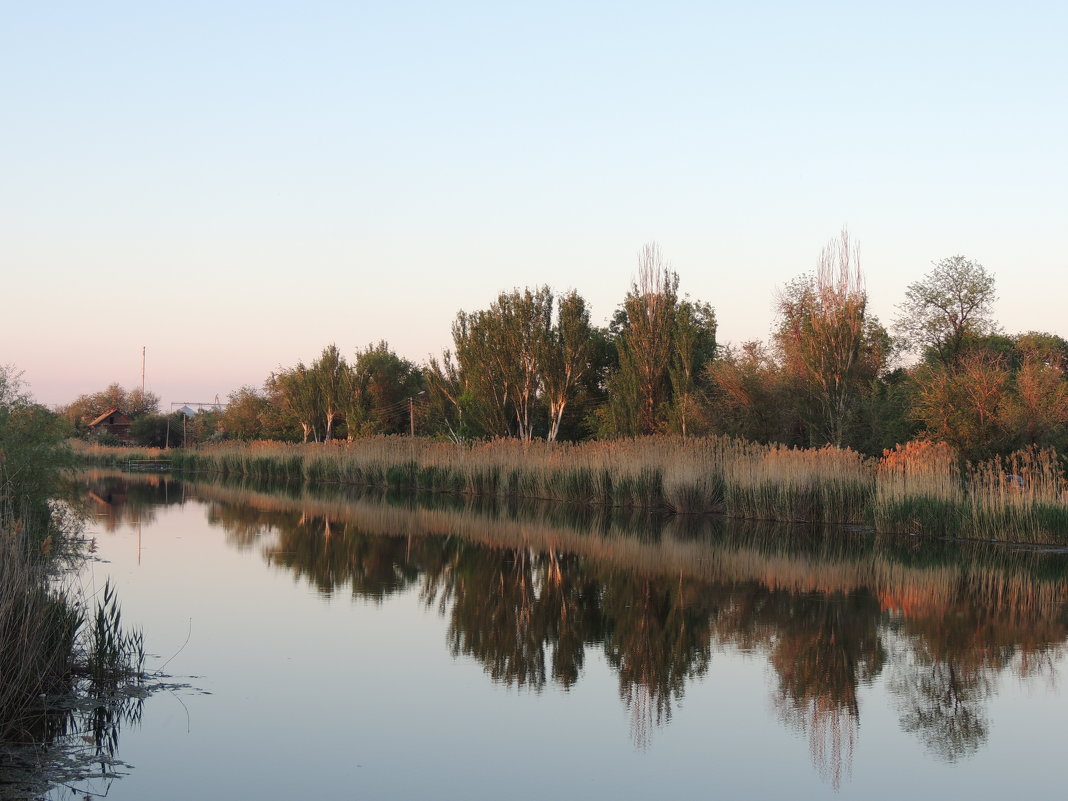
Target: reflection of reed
<point>713,550</point>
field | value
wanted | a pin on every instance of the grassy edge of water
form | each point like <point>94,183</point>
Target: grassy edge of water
<point>919,488</point>
<point>70,668</point>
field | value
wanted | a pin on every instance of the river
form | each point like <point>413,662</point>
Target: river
<point>338,644</point>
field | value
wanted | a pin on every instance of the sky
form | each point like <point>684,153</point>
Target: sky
<point>233,186</point>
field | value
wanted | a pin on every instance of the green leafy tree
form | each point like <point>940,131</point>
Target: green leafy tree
<point>156,430</point>
<point>295,392</point>
<point>644,343</point>
<point>1036,411</point>
<point>662,344</point>
<point>377,391</point>
<point>952,304</point>
<point>486,395</point>
<point>517,366</point>
<point>31,455</point>
<point>693,346</point>
<point>566,358</point>
<point>446,390</point>
<point>329,372</point>
<point>883,419</point>
<point>1041,347</point>
<point>246,415</point>
<point>499,351</point>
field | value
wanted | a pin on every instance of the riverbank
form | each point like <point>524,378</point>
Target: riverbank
<point>919,488</point>
<point>66,658</point>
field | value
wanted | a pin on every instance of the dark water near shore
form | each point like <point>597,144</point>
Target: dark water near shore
<point>355,646</point>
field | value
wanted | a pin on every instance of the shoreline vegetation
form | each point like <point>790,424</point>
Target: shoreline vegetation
<point>917,488</point>
<point>67,659</point>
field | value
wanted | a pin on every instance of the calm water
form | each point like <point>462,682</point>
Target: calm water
<point>362,647</point>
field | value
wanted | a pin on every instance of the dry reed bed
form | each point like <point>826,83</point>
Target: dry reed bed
<point>917,488</point>
<point>994,579</point>
<point>922,488</point>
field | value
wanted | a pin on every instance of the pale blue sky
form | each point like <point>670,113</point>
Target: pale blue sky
<point>235,185</point>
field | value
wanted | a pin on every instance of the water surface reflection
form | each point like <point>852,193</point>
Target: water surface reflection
<point>529,591</point>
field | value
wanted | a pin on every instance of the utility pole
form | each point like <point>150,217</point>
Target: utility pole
<point>411,412</point>
<point>142,371</point>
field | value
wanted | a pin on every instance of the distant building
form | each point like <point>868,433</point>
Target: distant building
<point>112,422</point>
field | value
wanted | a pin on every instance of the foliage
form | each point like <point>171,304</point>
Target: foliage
<point>447,399</point>
<point>111,651</point>
<point>329,373</point>
<point>36,631</point>
<point>748,394</point>
<point>831,350</point>
<point>533,366</point>
<point>133,403</point>
<point>156,430</point>
<point>499,351</point>
<point>950,305</point>
<point>517,367</point>
<point>376,391</point>
<point>32,453</point>
<point>296,393</point>
<point>662,344</point>
<point>565,358</point>
<point>640,386</point>
<point>249,415</point>
<point>43,643</point>
<point>914,488</point>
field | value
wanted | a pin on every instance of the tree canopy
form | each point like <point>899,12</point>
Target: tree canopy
<point>531,364</point>
<point>952,303</point>
<point>133,402</point>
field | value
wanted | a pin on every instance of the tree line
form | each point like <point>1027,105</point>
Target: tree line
<point>533,365</point>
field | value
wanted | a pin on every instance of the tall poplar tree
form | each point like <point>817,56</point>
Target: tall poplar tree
<point>825,340</point>
<point>662,344</point>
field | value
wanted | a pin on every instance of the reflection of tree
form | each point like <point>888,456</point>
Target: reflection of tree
<point>527,599</point>
<point>333,554</point>
<point>115,500</point>
<point>942,704</point>
<point>825,647</point>
<point>246,525</point>
<point>658,636</point>
<point>493,617</point>
<point>946,675</point>
<point>510,607</point>
<point>953,649</point>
